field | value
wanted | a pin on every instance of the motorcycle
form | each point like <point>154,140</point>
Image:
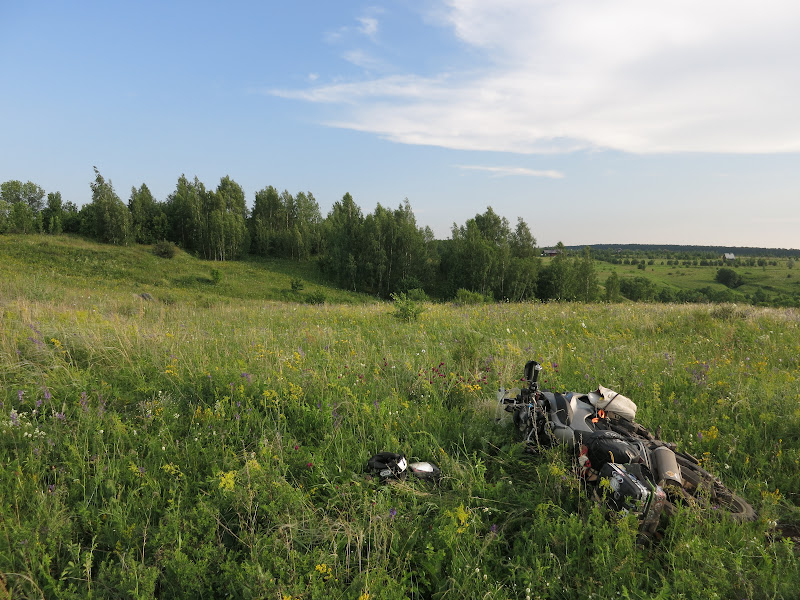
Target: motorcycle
<point>644,475</point>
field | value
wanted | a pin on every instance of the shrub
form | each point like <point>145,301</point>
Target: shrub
<point>164,249</point>
<point>216,276</point>
<point>467,297</point>
<point>417,295</point>
<point>297,284</point>
<point>405,308</point>
<point>315,298</point>
<point>729,277</point>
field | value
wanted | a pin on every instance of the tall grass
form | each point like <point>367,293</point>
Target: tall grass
<point>217,448</point>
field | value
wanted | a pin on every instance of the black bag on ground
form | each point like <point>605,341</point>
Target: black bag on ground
<point>388,464</point>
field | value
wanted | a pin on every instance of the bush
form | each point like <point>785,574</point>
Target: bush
<point>315,298</point>
<point>297,284</point>
<point>467,297</point>
<point>216,276</point>
<point>164,249</point>
<point>729,278</point>
<point>417,295</point>
<point>405,308</point>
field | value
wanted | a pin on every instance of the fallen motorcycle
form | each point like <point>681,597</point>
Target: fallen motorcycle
<point>645,475</point>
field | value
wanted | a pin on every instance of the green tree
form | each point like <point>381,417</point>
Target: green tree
<point>584,279</point>
<point>70,217</point>
<point>29,193</point>
<point>227,221</point>
<point>343,232</point>
<point>53,214</point>
<point>264,221</point>
<point>479,255</point>
<point>184,209</point>
<point>729,277</point>
<point>612,287</point>
<point>108,217</point>
<point>394,250</point>
<point>149,220</point>
<point>556,280</point>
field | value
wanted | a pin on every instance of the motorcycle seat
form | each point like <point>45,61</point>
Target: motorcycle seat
<point>562,408</point>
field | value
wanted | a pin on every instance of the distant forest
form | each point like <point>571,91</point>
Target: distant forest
<point>381,253</point>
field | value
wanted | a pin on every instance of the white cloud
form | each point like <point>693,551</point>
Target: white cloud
<point>513,171</point>
<point>643,77</point>
<point>363,59</point>
<point>368,26</point>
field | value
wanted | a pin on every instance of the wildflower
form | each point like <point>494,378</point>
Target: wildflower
<point>14,418</point>
<point>20,393</point>
<point>47,394</point>
<point>227,481</point>
<point>493,528</point>
<point>61,417</point>
<point>310,465</point>
<point>248,377</point>
<point>393,513</point>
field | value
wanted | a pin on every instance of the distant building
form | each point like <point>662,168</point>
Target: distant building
<point>729,256</point>
<point>550,252</point>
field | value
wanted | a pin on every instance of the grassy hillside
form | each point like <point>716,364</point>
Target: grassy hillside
<point>68,262</point>
<point>212,443</point>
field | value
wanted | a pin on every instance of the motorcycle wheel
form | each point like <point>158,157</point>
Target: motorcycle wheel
<point>704,489</point>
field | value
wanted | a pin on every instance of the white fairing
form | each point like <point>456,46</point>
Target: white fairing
<point>612,401</point>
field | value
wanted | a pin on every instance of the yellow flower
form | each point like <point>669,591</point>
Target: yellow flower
<point>227,481</point>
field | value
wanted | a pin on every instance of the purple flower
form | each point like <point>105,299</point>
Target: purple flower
<point>20,393</point>
<point>39,403</point>
<point>51,488</point>
<point>393,513</point>
<point>47,394</point>
<point>61,417</point>
<point>700,436</point>
<point>14,418</point>
<point>248,377</point>
<point>493,528</point>
<point>84,402</point>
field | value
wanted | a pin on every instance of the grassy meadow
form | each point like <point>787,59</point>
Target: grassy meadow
<point>211,442</point>
<point>774,280</point>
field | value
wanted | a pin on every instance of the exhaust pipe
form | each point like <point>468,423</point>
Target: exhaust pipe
<point>667,469</point>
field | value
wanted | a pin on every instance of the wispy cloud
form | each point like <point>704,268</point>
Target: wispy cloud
<point>368,26</point>
<point>635,76</point>
<point>513,171</point>
<point>363,59</point>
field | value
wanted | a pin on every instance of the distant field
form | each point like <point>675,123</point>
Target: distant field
<point>211,442</point>
<point>773,280</point>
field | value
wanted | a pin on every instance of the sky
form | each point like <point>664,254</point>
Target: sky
<point>595,121</point>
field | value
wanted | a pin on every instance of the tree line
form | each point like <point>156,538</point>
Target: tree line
<point>380,253</point>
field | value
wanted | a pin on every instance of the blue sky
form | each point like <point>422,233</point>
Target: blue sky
<point>596,121</point>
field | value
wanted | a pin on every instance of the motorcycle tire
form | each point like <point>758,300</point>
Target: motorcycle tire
<point>705,489</point>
